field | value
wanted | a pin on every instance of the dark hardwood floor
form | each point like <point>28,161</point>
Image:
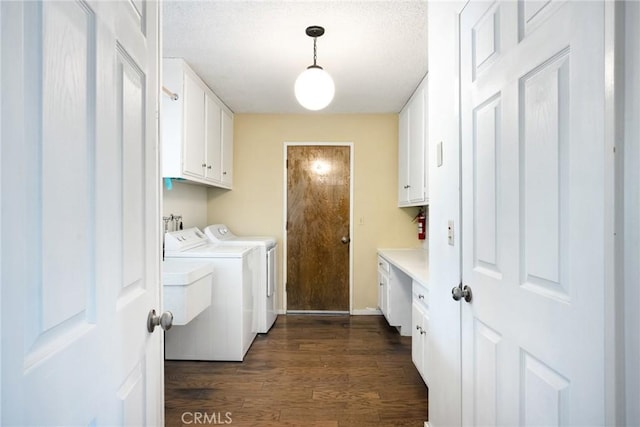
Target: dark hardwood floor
<point>307,371</point>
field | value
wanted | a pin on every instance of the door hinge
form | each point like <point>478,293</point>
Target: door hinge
<point>287,164</point>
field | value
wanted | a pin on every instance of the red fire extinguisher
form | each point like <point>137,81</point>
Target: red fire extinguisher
<point>421,219</point>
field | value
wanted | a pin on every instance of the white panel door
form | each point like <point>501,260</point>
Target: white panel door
<point>533,182</point>
<point>80,258</point>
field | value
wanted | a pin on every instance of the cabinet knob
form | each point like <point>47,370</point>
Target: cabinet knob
<point>204,165</point>
<point>209,167</point>
<point>381,284</point>
<point>224,173</point>
<point>420,296</point>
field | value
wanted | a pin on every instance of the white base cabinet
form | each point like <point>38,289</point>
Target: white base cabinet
<point>197,129</point>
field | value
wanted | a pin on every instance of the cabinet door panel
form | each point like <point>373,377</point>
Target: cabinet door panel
<point>193,145</point>
<point>227,148</point>
<point>384,294</point>
<point>403,155</point>
<point>417,121</point>
<point>213,139</point>
<point>417,341</point>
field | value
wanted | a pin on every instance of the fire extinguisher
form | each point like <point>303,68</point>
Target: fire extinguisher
<point>421,219</point>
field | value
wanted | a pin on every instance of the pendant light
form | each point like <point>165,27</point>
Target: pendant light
<point>314,87</point>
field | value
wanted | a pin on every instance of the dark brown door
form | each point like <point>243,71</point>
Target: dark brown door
<point>318,181</point>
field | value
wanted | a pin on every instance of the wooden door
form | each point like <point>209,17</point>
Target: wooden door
<point>318,212</point>
<point>534,213</point>
<point>81,256</point>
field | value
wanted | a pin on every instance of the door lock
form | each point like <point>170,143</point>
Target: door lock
<point>459,292</point>
<point>345,240</point>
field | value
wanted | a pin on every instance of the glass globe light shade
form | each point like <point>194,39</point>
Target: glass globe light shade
<point>314,88</point>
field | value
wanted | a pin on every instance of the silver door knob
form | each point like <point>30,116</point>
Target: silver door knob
<point>345,240</point>
<point>165,320</point>
<point>458,293</point>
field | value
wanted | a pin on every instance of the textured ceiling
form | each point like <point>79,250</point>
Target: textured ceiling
<point>250,52</point>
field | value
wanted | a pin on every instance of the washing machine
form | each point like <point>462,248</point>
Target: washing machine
<point>266,289</point>
<point>225,330</point>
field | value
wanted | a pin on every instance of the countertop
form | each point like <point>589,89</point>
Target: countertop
<point>413,262</point>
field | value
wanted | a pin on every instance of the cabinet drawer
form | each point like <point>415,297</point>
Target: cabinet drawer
<point>383,264</point>
<point>420,293</point>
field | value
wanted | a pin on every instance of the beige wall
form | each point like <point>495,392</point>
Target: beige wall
<point>256,203</point>
<point>187,200</point>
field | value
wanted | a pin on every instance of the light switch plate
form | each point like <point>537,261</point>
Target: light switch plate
<point>450,232</point>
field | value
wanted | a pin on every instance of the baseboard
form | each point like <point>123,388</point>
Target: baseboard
<point>366,312</point>
<point>426,424</point>
<point>360,312</point>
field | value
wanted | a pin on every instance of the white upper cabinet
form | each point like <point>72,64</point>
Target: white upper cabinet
<point>412,150</point>
<point>197,129</point>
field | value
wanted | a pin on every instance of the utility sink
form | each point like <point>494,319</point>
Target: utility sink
<point>187,288</point>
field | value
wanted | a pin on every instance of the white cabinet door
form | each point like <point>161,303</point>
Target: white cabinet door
<point>193,145</point>
<point>412,149</point>
<point>227,148</point>
<point>417,146</point>
<point>417,334</point>
<point>420,330</point>
<point>534,168</point>
<point>383,286</point>
<point>213,138</point>
<point>81,255</point>
<point>403,155</point>
<point>383,294</point>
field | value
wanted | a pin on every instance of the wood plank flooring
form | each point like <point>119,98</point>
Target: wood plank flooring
<point>329,371</point>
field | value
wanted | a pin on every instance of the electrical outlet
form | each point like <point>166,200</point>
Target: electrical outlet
<point>450,233</point>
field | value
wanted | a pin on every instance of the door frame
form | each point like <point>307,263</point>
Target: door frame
<point>286,146</point>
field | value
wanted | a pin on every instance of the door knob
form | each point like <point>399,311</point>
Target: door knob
<point>345,240</point>
<point>458,293</point>
<point>165,320</point>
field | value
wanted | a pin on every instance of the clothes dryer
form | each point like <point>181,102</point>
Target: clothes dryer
<point>266,290</point>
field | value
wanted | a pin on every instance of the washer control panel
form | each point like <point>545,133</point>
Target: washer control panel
<point>182,240</point>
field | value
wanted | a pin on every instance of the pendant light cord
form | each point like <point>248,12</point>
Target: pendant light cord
<point>315,52</point>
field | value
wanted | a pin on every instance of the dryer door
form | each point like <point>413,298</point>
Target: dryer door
<point>271,270</point>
